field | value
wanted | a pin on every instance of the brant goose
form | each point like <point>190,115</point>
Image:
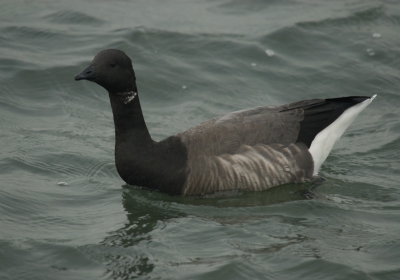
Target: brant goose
<point>252,149</point>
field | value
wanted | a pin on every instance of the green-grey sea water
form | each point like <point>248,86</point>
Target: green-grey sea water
<point>66,214</point>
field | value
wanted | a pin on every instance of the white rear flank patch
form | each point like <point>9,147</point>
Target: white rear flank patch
<point>323,143</point>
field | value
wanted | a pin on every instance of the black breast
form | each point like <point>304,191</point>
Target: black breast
<point>157,165</point>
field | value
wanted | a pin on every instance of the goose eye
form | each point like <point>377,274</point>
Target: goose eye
<point>112,65</point>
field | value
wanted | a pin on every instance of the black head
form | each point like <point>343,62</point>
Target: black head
<point>111,69</point>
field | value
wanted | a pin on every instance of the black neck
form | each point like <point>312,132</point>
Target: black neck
<point>128,119</point>
<point>140,160</point>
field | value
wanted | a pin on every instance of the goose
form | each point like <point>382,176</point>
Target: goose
<point>252,149</point>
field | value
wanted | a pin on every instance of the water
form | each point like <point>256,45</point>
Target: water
<point>66,214</point>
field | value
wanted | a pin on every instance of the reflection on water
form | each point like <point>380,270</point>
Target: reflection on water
<point>144,214</point>
<point>195,60</point>
<point>149,212</point>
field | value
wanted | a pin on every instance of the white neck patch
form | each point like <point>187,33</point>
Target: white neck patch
<point>128,96</point>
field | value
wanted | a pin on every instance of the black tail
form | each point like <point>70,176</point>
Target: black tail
<point>321,114</point>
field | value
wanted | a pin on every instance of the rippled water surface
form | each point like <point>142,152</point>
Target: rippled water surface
<point>66,214</point>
